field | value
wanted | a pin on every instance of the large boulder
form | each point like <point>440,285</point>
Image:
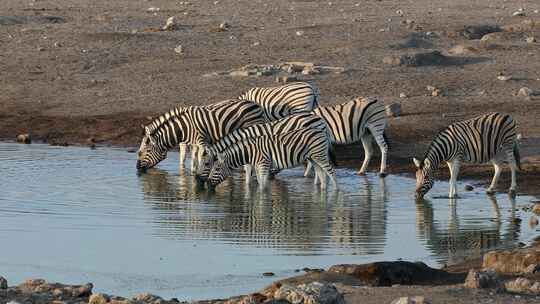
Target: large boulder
<point>312,293</point>
<point>400,272</point>
<point>516,261</point>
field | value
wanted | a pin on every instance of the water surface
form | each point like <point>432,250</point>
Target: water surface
<point>77,215</point>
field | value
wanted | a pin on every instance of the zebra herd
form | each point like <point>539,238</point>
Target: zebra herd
<point>271,129</point>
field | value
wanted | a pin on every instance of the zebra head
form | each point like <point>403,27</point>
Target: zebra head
<point>150,152</point>
<point>220,171</point>
<point>206,164</point>
<point>424,177</point>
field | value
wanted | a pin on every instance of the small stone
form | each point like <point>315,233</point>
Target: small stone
<point>403,95</point>
<point>3,283</point>
<point>504,77</point>
<point>533,221</point>
<point>286,79</point>
<point>436,92</point>
<point>411,300</point>
<point>393,110</point>
<point>147,298</point>
<point>536,209</point>
<point>41,49</point>
<point>239,73</point>
<point>98,298</point>
<point>399,13</point>
<point>430,88</point>
<point>268,274</point>
<point>482,279</point>
<point>525,92</point>
<point>519,12</point>
<point>24,138</point>
<point>224,26</point>
<point>299,33</point>
<point>256,43</point>
<point>170,25</point>
<point>469,188</point>
<point>530,40</point>
<point>179,49</point>
<point>153,9</point>
<point>58,44</point>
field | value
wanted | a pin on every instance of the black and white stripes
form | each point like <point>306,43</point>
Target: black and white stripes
<point>279,151</point>
<point>203,126</point>
<point>286,100</point>
<point>487,138</point>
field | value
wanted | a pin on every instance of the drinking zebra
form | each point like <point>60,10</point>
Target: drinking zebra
<point>490,137</point>
<point>200,125</point>
<point>359,119</point>
<point>278,151</point>
<point>282,101</point>
<point>190,142</point>
<point>284,125</point>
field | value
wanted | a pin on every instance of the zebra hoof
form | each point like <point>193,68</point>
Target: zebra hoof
<point>490,192</point>
<point>512,192</point>
<point>361,173</point>
<point>383,174</point>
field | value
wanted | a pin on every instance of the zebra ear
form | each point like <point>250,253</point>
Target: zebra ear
<point>427,163</point>
<point>417,163</point>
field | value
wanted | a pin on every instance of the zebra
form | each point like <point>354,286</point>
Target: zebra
<point>200,125</point>
<point>277,151</point>
<point>358,119</point>
<point>282,101</point>
<point>284,125</point>
<point>183,146</point>
<point>486,138</point>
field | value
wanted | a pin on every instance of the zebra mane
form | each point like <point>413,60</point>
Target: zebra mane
<point>162,119</point>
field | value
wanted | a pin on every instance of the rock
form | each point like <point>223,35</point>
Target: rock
<point>171,24</point>
<point>517,261</point>
<point>469,188</point>
<point>417,59</point>
<point>523,285</point>
<point>478,31</point>
<point>179,49</point>
<point>520,12</point>
<point>399,13</point>
<point>83,290</point>
<point>525,92</point>
<point>504,77</point>
<point>153,9</point>
<point>3,283</point>
<point>268,274</point>
<point>482,279</point>
<point>461,49</point>
<point>224,26</point>
<point>286,79</point>
<point>98,298</point>
<point>399,272</point>
<point>239,73</point>
<point>411,300</point>
<point>436,92</point>
<point>312,293</point>
<point>403,95</point>
<point>24,138</point>
<point>40,49</point>
<point>58,44</point>
<point>523,26</point>
<point>530,39</point>
<point>533,221</point>
<point>299,33</point>
<point>393,110</point>
<point>536,209</point>
<point>146,297</point>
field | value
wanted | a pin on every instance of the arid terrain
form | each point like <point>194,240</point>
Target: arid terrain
<point>80,72</point>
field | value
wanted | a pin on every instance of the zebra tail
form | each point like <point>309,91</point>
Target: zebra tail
<point>517,157</point>
<point>332,154</point>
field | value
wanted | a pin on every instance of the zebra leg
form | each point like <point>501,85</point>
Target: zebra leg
<point>326,170</point>
<point>496,174</point>
<point>194,160</point>
<point>263,177</point>
<point>383,146</point>
<point>248,170</point>
<point>513,168</point>
<point>308,170</point>
<point>366,142</point>
<point>453,166</point>
<point>183,151</point>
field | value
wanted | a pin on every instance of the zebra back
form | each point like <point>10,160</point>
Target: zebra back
<point>347,122</point>
<point>298,121</point>
<point>282,101</point>
<point>476,140</point>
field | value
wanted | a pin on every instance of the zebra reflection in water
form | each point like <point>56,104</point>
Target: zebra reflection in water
<point>458,240</point>
<point>293,215</point>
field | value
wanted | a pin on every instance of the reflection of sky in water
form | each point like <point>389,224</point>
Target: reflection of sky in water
<point>77,215</point>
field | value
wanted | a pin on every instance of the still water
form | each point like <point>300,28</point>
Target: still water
<point>76,215</point>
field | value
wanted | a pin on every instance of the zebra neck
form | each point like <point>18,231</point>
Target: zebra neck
<point>239,154</point>
<point>172,133</point>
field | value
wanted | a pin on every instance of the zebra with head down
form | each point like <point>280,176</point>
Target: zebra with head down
<point>200,125</point>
